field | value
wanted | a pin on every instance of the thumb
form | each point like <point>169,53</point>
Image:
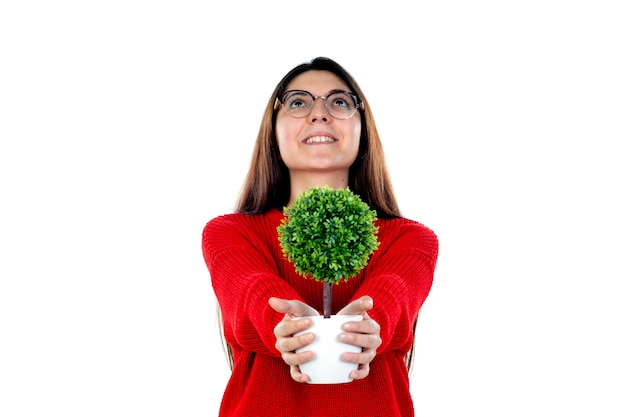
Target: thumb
<point>358,306</point>
<point>279,305</point>
<point>294,308</point>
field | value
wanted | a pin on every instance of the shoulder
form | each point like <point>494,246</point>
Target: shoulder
<point>242,223</point>
<point>409,233</point>
<point>226,220</point>
<point>231,221</point>
<point>401,225</point>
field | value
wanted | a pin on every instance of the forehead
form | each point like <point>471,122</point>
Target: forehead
<point>317,82</point>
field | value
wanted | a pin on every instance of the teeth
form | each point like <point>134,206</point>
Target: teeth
<point>318,139</point>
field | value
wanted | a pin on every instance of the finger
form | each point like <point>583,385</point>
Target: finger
<point>361,372</point>
<point>297,375</point>
<point>365,326</point>
<point>288,327</point>
<point>362,358</point>
<point>294,308</point>
<point>279,305</point>
<point>365,341</point>
<point>358,306</point>
<point>295,359</point>
<point>291,344</point>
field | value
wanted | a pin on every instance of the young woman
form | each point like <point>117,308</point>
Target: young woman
<point>317,130</point>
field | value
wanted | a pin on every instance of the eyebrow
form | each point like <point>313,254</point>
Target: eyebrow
<point>336,90</point>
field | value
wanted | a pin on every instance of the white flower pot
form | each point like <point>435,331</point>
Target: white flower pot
<point>327,367</point>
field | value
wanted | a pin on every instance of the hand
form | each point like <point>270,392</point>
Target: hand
<point>286,342</point>
<point>364,334</point>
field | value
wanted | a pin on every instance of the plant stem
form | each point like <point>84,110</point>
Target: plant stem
<point>328,299</point>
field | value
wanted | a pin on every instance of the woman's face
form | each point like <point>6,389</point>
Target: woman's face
<point>318,143</point>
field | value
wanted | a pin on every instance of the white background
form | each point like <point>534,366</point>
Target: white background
<point>126,125</point>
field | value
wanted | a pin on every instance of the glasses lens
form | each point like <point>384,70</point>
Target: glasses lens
<point>341,105</point>
<point>298,103</point>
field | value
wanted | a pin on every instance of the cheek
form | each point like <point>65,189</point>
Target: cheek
<point>280,133</point>
<point>357,137</point>
<point>281,136</point>
<point>286,130</point>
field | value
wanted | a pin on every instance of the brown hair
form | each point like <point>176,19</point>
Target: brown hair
<point>267,184</point>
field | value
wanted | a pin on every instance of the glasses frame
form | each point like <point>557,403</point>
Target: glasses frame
<point>357,102</point>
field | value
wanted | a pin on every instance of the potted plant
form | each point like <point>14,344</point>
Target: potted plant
<point>328,235</point>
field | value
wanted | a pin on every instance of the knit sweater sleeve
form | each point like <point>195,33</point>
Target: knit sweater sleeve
<point>399,279</point>
<point>244,276</point>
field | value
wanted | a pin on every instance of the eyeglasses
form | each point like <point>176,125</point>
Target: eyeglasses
<point>339,104</point>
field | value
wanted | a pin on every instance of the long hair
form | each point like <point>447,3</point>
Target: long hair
<point>267,184</point>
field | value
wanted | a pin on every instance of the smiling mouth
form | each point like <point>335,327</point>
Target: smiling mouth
<point>320,139</point>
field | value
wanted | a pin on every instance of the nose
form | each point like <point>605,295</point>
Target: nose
<point>319,112</point>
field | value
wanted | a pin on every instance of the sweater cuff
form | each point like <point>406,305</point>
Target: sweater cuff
<point>261,315</point>
<point>394,316</point>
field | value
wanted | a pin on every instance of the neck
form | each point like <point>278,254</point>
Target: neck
<point>301,183</point>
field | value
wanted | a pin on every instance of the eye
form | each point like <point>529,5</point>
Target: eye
<point>341,100</point>
<point>297,100</point>
<point>296,103</point>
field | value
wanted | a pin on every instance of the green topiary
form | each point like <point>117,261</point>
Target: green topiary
<point>328,235</point>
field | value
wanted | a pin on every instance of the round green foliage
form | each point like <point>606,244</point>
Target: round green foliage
<point>328,234</point>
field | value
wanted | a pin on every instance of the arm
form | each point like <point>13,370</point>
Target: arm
<point>398,278</point>
<point>244,277</point>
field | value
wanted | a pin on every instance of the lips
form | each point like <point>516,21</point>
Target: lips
<point>320,139</point>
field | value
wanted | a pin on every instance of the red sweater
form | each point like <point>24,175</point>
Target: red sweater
<point>247,267</point>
